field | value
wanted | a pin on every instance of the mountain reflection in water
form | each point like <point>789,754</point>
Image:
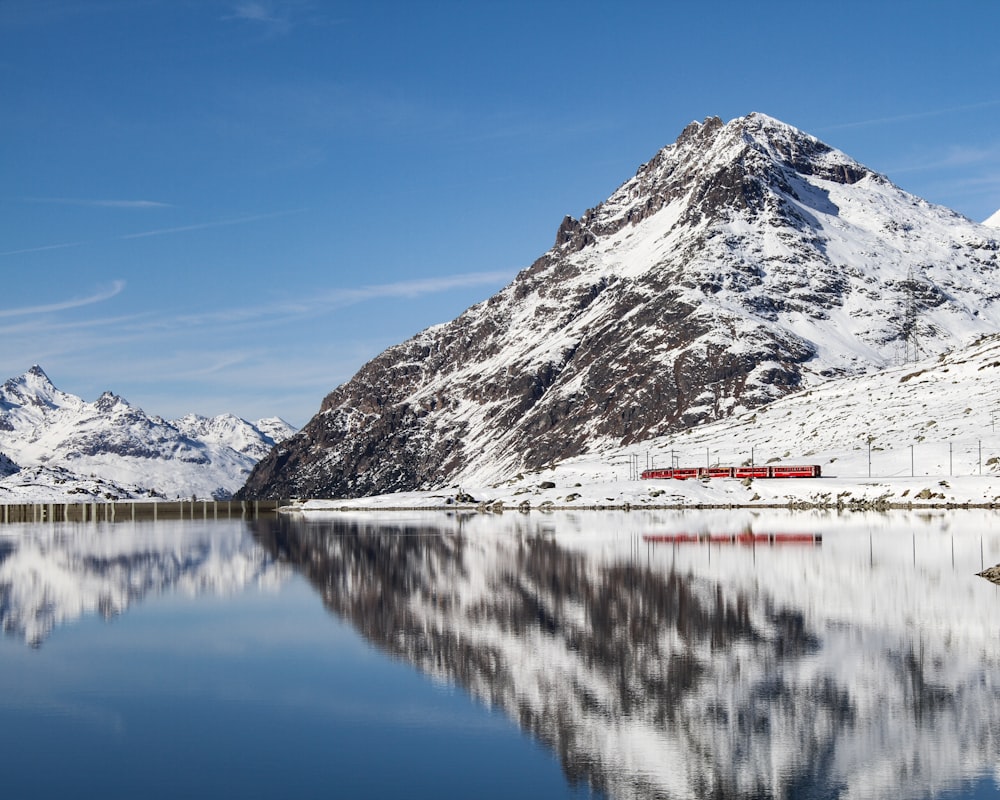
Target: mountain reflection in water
<point>657,654</point>
<point>864,668</point>
<point>54,574</point>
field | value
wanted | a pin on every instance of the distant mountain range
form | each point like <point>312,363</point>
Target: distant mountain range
<point>55,446</point>
<point>745,262</point>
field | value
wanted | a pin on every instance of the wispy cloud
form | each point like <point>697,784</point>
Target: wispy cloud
<point>148,326</point>
<point>41,248</point>
<point>92,203</point>
<point>254,11</point>
<point>419,287</point>
<point>38,326</point>
<point>156,231</point>
<point>175,355</point>
<point>205,225</point>
<point>259,12</point>
<point>889,120</point>
<point>98,297</point>
<point>954,158</point>
<point>316,303</point>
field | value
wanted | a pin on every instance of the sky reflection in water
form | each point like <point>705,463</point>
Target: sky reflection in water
<point>864,666</point>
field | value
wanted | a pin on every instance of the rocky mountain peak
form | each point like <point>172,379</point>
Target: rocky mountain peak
<point>718,170</point>
<point>108,401</point>
<point>32,384</point>
<point>799,151</point>
<point>38,374</point>
<point>32,390</point>
<point>696,132</point>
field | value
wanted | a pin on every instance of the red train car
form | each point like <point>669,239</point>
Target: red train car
<point>751,472</point>
<point>798,471</point>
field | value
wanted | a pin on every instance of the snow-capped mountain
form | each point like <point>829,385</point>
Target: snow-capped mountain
<point>993,221</point>
<point>227,430</point>
<point>744,262</point>
<point>69,449</point>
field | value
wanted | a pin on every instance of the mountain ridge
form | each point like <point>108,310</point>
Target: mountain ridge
<point>743,262</point>
<point>57,445</point>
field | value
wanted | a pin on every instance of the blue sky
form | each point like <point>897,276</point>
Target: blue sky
<point>231,205</point>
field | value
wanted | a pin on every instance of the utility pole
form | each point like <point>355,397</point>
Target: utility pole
<point>909,328</point>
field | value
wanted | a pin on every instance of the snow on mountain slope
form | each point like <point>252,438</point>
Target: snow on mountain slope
<point>275,428</point>
<point>993,221</point>
<point>228,430</point>
<point>109,449</point>
<point>746,261</point>
<point>924,433</point>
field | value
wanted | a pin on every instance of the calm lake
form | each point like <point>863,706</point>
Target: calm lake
<point>713,654</point>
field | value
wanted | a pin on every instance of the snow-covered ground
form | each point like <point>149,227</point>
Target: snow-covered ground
<point>920,434</point>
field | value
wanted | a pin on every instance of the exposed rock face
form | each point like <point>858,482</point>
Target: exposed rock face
<point>743,262</point>
<point>7,467</point>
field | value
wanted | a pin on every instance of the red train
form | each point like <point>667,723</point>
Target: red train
<point>776,471</point>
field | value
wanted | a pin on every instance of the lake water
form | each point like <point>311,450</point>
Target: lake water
<point>730,654</point>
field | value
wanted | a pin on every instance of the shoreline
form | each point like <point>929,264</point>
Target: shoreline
<point>824,494</point>
<point>544,508</point>
<point>566,490</point>
<point>477,509</point>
